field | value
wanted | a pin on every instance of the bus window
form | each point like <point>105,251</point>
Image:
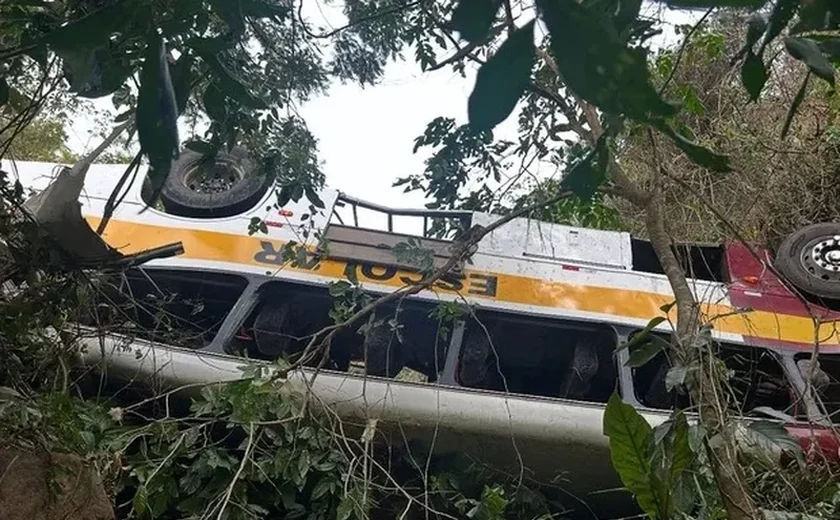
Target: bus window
<point>757,379</point>
<point>287,316</point>
<point>182,308</point>
<point>538,357</point>
<point>649,382</point>
<point>825,382</point>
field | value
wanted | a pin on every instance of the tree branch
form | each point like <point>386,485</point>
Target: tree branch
<point>375,16</point>
<point>574,123</point>
<point>683,46</point>
<point>509,17</point>
<point>707,393</point>
<point>461,249</point>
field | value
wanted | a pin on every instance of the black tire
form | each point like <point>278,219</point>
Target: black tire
<point>230,186</point>
<point>810,259</point>
<point>476,360</point>
<point>384,352</point>
<point>271,331</point>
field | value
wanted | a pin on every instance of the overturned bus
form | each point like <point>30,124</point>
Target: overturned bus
<point>514,353</point>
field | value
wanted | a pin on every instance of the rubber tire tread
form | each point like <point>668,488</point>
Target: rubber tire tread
<point>384,352</point>
<point>788,264</point>
<point>270,325</point>
<point>179,200</point>
<point>476,355</point>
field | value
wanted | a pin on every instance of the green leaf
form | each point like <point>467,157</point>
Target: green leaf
<point>645,352</point>
<point>202,147</point>
<point>211,46</point>
<point>141,500</point>
<point>642,335</point>
<point>627,13</point>
<point>231,85</point>
<point>156,113</point>
<point>756,25</point>
<point>783,11</point>
<point>92,29</point>
<point>323,487</point>
<point>263,9</point>
<point>597,65</point>
<point>492,504</point>
<point>94,73</point>
<point>588,173</point>
<point>772,412</point>
<point>629,436</point>
<point>312,197</point>
<point>831,48</point>
<point>675,377</point>
<point>473,18</point>
<point>345,507</point>
<point>181,73</point>
<point>808,52</point>
<point>4,92</point>
<point>738,4</point>
<point>501,81</point>
<point>794,106</point>
<point>214,103</point>
<point>303,465</point>
<point>700,155</point>
<point>683,455</point>
<point>88,438</point>
<point>339,288</point>
<point>771,436</point>
<point>230,11</point>
<point>670,456</point>
<point>812,16</point>
<point>753,75</point>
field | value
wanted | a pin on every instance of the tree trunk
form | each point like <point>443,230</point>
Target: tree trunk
<point>707,392</point>
<point>722,453</point>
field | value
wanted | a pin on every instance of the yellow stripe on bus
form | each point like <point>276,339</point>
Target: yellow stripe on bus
<point>130,237</point>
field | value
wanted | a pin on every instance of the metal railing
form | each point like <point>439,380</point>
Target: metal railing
<point>464,217</point>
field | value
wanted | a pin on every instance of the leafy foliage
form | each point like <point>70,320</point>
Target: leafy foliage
<point>590,99</point>
<point>42,140</point>
<point>502,80</point>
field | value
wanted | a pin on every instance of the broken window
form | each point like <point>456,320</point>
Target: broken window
<point>699,261</point>
<point>756,379</point>
<point>825,381</point>
<point>287,317</point>
<point>183,308</point>
<point>538,357</point>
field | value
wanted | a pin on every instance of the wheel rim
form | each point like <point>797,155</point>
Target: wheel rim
<point>821,258</point>
<point>219,177</point>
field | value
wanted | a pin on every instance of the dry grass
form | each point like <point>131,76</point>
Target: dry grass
<point>777,185</point>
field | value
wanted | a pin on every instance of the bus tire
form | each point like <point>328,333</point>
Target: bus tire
<point>810,259</point>
<point>230,187</point>
<point>476,360</point>
<point>271,334</point>
<point>383,352</point>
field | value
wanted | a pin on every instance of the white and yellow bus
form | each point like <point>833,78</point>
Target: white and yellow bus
<point>522,378</point>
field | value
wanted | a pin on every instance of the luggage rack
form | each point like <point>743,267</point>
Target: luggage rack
<point>354,242</point>
<point>464,218</point>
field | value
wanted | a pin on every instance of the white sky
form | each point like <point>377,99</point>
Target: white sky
<point>366,135</point>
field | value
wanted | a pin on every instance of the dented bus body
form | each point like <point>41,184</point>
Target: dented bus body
<point>520,380</point>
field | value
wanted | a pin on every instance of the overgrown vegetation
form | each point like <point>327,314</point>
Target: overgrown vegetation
<point>648,142</point>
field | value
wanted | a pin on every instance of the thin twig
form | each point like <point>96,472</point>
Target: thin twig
<point>375,16</point>
<point>681,51</point>
<point>461,249</point>
<point>239,471</point>
<point>112,202</point>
